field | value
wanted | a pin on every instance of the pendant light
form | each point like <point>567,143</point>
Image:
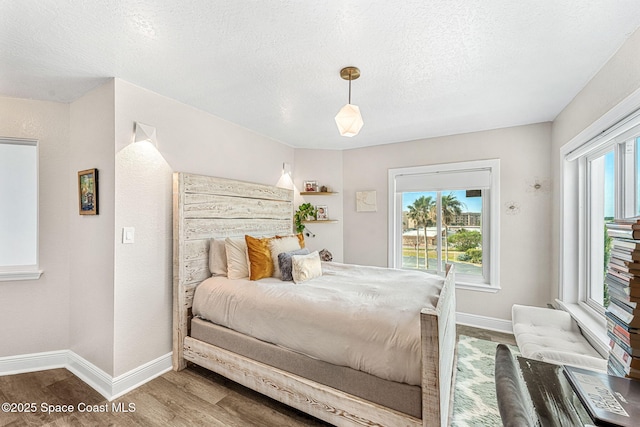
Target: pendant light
<point>348,119</point>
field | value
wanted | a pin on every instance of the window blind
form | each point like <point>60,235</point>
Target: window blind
<point>474,179</point>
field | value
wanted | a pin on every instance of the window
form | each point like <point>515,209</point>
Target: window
<point>443,214</point>
<point>599,182</point>
<point>19,209</point>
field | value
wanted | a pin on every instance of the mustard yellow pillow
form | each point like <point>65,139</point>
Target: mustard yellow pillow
<point>260,261</point>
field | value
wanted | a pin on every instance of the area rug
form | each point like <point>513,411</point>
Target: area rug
<point>474,403</point>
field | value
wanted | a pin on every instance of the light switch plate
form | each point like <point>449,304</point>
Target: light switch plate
<point>128,235</point>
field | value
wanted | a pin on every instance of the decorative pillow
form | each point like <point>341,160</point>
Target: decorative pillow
<point>306,267</point>
<point>281,244</point>
<point>260,262</point>
<point>237,265</point>
<point>285,264</point>
<point>217,257</point>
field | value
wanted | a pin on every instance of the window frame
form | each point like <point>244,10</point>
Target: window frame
<point>619,124</point>
<point>490,219</point>
<point>26,272</point>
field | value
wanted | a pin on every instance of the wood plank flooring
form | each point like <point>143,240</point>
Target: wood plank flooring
<point>192,397</point>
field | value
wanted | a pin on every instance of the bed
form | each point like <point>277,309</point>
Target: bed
<point>208,208</point>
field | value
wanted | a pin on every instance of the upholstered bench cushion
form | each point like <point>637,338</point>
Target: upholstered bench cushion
<point>553,336</point>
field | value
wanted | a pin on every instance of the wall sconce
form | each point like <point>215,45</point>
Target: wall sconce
<point>144,132</point>
<point>286,169</point>
<point>349,119</point>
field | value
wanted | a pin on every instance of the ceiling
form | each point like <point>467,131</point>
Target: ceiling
<point>429,67</point>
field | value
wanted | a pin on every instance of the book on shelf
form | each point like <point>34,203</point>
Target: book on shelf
<point>627,278</point>
<point>624,265</point>
<point>615,367</point>
<point>625,244</point>
<point>629,307</point>
<point>607,399</point>
<point>620,323</point>
<point>622,298</point>
<point>615,339</point>
<point>624,233</point>
<point>628,317</point>
<point>632,270</point>
<point>632,225</point>
<point>630,290</point>
<point>624,357</point>
<point>628,335</point>
<point>625,255</point>
<point>629,221</point>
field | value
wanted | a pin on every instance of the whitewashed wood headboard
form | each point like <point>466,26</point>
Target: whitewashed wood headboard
<point>207,207</point>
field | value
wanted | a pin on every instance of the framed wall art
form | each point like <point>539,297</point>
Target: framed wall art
<point>88,191</point>
<point>310,186</point>
<point>366,201</point>
<point>322,213</point>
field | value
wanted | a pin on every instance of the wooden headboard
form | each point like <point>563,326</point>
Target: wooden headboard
<point>204,208</point>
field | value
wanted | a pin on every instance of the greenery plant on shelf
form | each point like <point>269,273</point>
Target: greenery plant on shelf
<point>303,213</point>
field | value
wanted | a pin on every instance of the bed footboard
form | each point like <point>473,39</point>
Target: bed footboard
<point>438,330</point>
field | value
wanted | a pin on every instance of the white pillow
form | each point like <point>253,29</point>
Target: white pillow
<point>237,262</point>
<point>306,267</point>
<point>217,257</point>
<point>280,245</point>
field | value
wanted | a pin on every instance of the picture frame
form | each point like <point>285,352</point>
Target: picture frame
<point>366,201</point>
<point>88,192</point>
<point>310,186</point>
<point>322,213</point>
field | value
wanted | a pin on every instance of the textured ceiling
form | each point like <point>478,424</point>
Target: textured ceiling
<point>429,67</point>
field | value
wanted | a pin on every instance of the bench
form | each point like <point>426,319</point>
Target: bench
<point>553,336</point>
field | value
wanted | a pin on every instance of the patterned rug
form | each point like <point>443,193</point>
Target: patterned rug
<point>475,402</point>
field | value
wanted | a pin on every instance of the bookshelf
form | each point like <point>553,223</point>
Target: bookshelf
<point>623,282</point>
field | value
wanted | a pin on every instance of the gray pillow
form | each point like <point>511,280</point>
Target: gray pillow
<point>284,262</point>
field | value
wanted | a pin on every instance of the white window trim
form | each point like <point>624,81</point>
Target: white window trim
<point>491,217</point>
<point>571,234</point>
<point>26,272</point>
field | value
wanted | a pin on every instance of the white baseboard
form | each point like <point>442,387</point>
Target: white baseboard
<point>484,322</point>
<point>95,377</point>
<point>10,365</point>
<point>126,382</point>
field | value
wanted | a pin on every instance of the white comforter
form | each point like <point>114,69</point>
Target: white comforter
<point>366,318</point>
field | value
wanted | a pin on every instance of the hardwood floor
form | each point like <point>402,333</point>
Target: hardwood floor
<point>194,396</point>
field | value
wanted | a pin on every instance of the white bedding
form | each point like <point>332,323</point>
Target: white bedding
<point>366,318</point>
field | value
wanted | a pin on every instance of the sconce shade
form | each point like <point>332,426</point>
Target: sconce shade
<point>349,120</point>
<point>145,133</point>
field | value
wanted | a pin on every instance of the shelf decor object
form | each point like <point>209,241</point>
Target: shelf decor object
<point>302,215</point>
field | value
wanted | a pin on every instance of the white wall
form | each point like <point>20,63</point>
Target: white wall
<point>91,247</point>
<point>524,152</point>
<point>325,167</point>
<point>616,83</point>
<point>35,314</point>
<point>189,140</point>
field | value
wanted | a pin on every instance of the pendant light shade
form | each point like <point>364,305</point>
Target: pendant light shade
<point>349,119</point>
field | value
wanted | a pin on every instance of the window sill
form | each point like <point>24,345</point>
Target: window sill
<point>593,325</point>
<point>10,276</point>
<point>470,286</point>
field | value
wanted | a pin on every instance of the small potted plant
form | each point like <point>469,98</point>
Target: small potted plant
<point>304,212</point>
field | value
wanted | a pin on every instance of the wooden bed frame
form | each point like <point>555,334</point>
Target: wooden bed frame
<point>207,207</point>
